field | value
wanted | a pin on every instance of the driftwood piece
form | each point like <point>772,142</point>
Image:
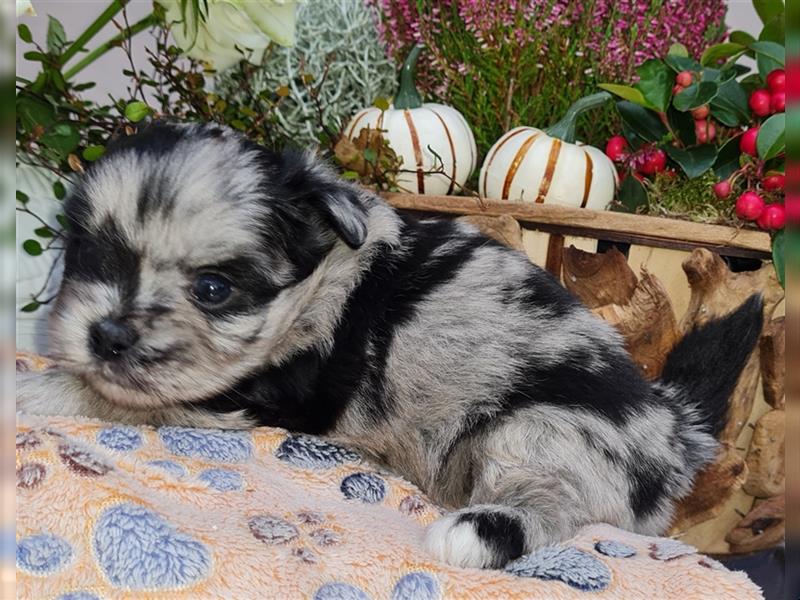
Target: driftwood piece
<point>716,291</point>
<point>598,279</point>
<point>765,457</point>
<point>647,323</point>
<point>504,229</point>
<point>712,489</point>
<point>772,354</point>
<point>763,527</point>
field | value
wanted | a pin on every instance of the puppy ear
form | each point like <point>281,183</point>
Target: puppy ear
<point>309,181</point>
<point>345,213</point>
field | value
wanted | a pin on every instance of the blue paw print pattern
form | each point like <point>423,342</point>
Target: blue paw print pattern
<point>366,487</point>
<point>138,550</point>
<point>416,586</point>
<point>78,596</point>
<point>572,566</point>
<point>210,444</point>
<point>43,554</point>
<point>170,466</point>
<point>121,439</point>
<point>340,591</point>
<point>222,480</point>
<point>311,453</point>
<point>614,549</point>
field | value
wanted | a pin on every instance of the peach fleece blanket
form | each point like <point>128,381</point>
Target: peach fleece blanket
<point>109,511</point>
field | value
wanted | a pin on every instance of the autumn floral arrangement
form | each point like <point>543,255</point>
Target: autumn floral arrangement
<point>704,138</point>
<point>504,63</point>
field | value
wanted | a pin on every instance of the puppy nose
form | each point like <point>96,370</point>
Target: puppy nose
<point>111,338</point>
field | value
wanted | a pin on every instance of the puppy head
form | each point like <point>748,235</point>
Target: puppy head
<point>184,244</point>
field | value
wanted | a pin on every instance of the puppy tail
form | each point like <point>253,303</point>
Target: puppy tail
<point>705,365</point>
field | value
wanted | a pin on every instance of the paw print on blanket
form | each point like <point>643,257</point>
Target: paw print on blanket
<point>614,549</point>
<point>138,549</point>
<point>309,529</point>
<point>574,567</point>
<point>222,480</point>
<point>210,444</point>
<point>670,549</point>
<point>311,453</point>
<point>119,438</point>
<point>78,596</point>
<point>366,487</point>
<point>43,554</point>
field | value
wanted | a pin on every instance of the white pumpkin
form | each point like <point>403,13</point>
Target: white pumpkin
<point>416,131</point>
<point>533,165</point>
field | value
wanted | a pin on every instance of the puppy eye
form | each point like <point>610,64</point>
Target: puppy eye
<point>211,289</point>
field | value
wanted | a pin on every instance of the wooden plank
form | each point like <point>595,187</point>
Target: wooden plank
<point>613,226</point>
<point>536,244</point>
<point>665,264</point>
<point>555,255</point>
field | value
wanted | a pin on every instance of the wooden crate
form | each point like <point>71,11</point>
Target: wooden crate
<point>729,492</point>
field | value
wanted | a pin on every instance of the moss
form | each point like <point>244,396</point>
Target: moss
<point>690,199</point>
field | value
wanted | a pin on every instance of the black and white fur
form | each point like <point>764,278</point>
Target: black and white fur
<point>436,352</point>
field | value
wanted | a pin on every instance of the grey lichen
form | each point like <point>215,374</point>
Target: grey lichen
<point>338,47</point>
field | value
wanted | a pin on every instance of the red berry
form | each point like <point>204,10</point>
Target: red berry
<point>773,182</point>
<point>654,161</point>
<point>747,143</point>
<point>684,78</point>
<point>772,217</point>
<point>704,131</point>
<point>722,189</point>
<point>677,89</point>
<point>701,112</point>
<point>615,148</point>
<point>776,81</point>
<point>777,102</point>
<point>749,206</point>
<point>759,103</point>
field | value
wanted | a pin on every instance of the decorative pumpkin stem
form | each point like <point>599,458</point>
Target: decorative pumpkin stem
<point>565,128</point>
<point>407,94</point>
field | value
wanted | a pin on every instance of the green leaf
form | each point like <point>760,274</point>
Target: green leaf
<point>24,33</point>
<point>696,95</point>
<point>767,9</point>
<point>350,175</point>
<point>730,104</point>
<point>682,123</point>
<point>93,152</point>
<point>22,197</point>
<point>625,91</point>
<point>32,247</point>
<point>62,220</point>
<point>681,63</point>
<point>44,232</point>
<point>632,194</point>
<point>769,56</point>
<point>370,155</point>
<point>30,307</point>
<point>32,112</point>
<point>644,123</point>
<point>771,139</point>
<point>63,139</point>
<point>775,30</point>
<point>694,161</point>
<point>59,190</point>
<point>381,103</point>
<point>779,256</point>
<point>743,38</point>
<point>136,111</point>
<point>36,56</point>
<point>718,52</point>
<point>678,50</point>
<point>655,83</point>
<point>727,158</point>
<point>56,36</point>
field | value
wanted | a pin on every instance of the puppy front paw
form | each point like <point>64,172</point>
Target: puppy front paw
<point>51,392</point>
<point>481,538</point>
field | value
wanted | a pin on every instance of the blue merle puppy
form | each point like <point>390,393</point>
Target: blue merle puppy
<point>209,282</point>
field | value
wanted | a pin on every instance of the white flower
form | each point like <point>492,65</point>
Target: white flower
<point>233,29</point>
<point>24,7</point>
